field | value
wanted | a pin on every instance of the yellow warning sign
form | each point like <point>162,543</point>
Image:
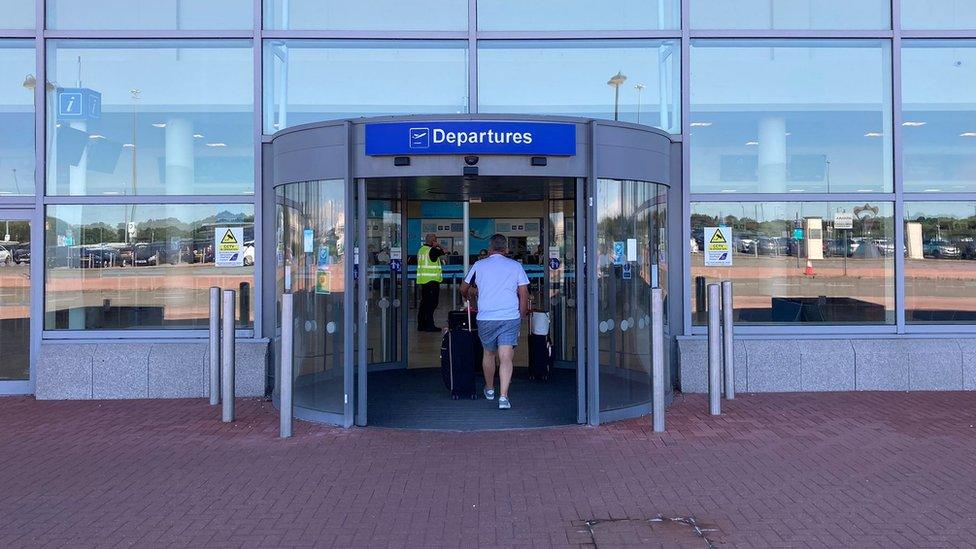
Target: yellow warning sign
<point>718,238</point>
<point>229,238</point>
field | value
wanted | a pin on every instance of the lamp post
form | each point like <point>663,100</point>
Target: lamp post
<point>640,88</point>
<point>615,82</point>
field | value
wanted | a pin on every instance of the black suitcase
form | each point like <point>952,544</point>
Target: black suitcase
<point>540,357</point>
<point>458,362</point>
<point>460,320</point>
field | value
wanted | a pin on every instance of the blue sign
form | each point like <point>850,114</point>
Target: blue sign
<point>471,137</point>
<point>79,104</point>
<point>625,272</point>
<point>618,252</point>
<point>797,234</point>
<point>394,265</point>
<point>554,263</point>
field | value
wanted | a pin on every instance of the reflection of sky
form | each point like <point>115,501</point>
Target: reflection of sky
<point>577,15</point>
<point>442,15</point>
<point>790,14</point>
<point>155,14</point>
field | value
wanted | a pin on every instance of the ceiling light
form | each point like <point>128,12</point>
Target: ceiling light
<point>728,190</point>
<point>930,190</point>
<point>198,136</point>
<point>96,136</point>
<point>159,125</point>
<point>216,144</point>
<point>967,134</point>
<point>751,143</point>
<point>128,145</point>
<point>700,124</point>
<point>865,190</point>
<point>874,134</point>
<point>912,124</point>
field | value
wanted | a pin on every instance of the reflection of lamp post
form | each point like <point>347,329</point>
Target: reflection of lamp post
<point>640,88</point>
<point>615,82</point>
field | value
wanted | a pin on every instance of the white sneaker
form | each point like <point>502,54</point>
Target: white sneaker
<point>503,403</point>
<point>489,394</point>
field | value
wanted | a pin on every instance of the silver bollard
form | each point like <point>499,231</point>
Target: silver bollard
<point>727,355</point>
<point>214,346</point>
<point>227,340</point>
<point>657,358</point>
<point>714,352</point>
<point>287,361</point>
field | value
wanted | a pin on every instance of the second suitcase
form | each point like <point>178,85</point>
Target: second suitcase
<point>540,357</point>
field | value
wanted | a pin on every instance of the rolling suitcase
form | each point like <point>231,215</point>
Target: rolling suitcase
<point>540,357</point>
<point>458,359</point>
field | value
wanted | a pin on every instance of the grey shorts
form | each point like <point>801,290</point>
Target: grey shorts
<point>499,332</point>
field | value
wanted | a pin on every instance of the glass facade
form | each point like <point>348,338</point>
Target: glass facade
<point>150,14</point>
<point>17,117</point>
<point>790,116</point>
<point>790,14</point>
<point>123,267</point>
<point>153,114</point>
<point>794,262</point>
<point>311,80</point>
<point>939,127</point>
<point>575,15</point>
<point>628,80</point>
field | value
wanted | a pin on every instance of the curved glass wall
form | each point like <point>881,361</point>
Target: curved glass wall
<point>632,259</point>
<point>311,252</point>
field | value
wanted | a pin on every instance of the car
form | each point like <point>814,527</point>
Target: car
<point>768,245</point>
<point>940,248</point>
<point>5,256</point>
<point>99,257</point>
<point>149,253</point>
<point>248,253</point>
<point>745,244</point>
<point>21,253</point>
<point>967,247</point>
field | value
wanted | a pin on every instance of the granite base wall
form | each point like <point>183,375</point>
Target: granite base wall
<point>120,369</point>
<point>840,364</point>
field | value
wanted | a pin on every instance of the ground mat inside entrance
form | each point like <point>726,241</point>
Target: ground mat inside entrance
<point>417,399</point>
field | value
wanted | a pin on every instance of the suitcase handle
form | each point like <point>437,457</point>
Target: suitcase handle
<point>467,306</point>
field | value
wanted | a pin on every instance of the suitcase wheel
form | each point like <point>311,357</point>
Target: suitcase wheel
<point>474,396</point>
<point>454,397</point>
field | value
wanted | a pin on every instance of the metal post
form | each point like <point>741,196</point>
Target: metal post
<point>657,357</point>
<point>227,341</point>
<point>287,361</point>
<point>244,296</point>
<point>727,355</point>
<point>214,346</point>
<point>714,352</point>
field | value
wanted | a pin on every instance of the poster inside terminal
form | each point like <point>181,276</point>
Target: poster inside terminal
<point>470,137</point>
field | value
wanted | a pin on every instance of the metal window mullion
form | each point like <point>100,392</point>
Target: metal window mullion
<point>672,34</point>
<point>37,274</point>
<point>792,34</point>
<point>257,130</point>
<point>685,185</point>
<point>897,170</point>
<point>242,34</point>
<point>364,35</point>
<point>17,33</point>
<point>791,197</point>
<point>109,200</point>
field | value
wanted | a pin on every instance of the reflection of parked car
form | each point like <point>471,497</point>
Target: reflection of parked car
<point>698,236</point>
<point>745,244</point>
<point>967,247</point>
<point>203,251</point>
<point>885,246</point>
<point>21,253</point>
<point>939,248</point>
<point>99,257</point>
<point>772,246</point>
<point>149,253</point>
<point>5,255</point>
<point>248,253</point>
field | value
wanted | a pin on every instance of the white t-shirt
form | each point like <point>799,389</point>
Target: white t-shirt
<point>498,279</point>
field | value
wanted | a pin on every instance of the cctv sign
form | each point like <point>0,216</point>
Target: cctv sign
<point>470,137</point>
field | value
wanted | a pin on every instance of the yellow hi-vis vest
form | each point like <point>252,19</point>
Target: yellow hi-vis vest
<point>427,270</point>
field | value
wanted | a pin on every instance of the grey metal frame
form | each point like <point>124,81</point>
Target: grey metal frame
<point>263,325</point>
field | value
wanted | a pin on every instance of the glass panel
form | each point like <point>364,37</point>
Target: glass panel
<point>563,288</point>
<point>18,14</point>
<point>791,14</point>
<point>384,296</point>
<point>312,80</point>
<point>940,246</point>
<point>629,80</point>
<point>150,117</point>
<point>17,66</point>
<point>311,220</point>
<point>145,266</point>
<point>630,225</point>
<point>566,15</point>
<point>938,14</point>
<point>15,300</point>
<point>800,262</point>
<point>939,130</point>
<point>790,116</point>
<point>416,15</point>
<point>150,14</point>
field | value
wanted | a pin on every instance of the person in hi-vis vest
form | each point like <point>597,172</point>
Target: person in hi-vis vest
<point>429,278</point>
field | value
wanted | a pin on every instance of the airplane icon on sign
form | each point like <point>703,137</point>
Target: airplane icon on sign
<point>419,138</point>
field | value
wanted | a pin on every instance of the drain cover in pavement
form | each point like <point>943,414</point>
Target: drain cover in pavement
<point>656,532</point>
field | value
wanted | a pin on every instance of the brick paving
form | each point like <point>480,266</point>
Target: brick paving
<point>800,470</point>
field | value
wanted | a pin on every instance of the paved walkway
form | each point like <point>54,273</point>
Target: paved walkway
<point>825,470</point>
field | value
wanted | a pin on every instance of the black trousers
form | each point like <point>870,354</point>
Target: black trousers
<point>430,294</point>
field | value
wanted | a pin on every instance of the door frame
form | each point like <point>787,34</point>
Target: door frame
<point>35,292</point>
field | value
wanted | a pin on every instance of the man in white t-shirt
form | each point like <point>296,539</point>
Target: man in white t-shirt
<point>503,299</point>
